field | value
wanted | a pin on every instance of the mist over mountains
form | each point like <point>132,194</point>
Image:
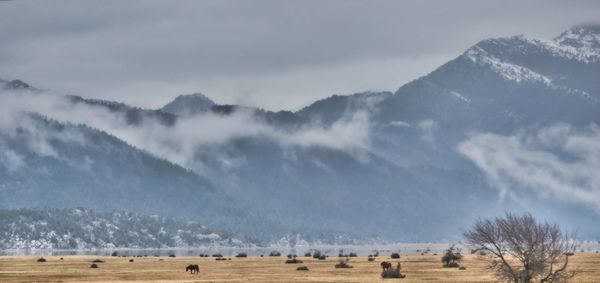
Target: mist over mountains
<point>509,125</point>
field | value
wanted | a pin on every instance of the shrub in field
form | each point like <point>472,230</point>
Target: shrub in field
<point>275,253</point>
<point>352,255</point>
<point>371,259</point>
<point>322,257</point>
<point>241,255</point>
<point>308,254</point>
<point>343,264</point>
<point>395,255</point>
<point>131,260</point>
<point>392,273</point>
<point>451,257</point>
<point>97,261</point>
<point>115,253</point>
<point>316,254</point>
<point>217,255</point>
<point>302,268</point>
<point>41,259</point>
<point>293,260</point>
<point>462,268</point>
<point>171,255</point>
<point>94,265</point>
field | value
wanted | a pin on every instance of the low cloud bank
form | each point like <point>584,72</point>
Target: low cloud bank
<point>179,143</point>
<point>559,161</point>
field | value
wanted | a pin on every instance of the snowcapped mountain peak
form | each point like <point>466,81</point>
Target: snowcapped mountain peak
<point>189,104</point>
<point>496,62</point>
<point>513,58</point>
<point>581,36</point>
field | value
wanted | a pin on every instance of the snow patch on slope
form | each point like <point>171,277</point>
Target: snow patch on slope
<point>508,71</point>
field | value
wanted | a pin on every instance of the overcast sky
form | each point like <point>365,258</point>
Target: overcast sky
<point>273,54</point>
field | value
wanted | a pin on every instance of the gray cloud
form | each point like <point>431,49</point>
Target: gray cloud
<point>180,143</point>
<point>276,54</point>
<point>11,160</point>
<point>559,162</point>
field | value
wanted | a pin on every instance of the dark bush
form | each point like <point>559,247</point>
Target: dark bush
<point>61,258</point>
<point>371,259</point>
<point>241,255</point>
<point>316,254</point>
<point>98,260</point>
<point>308,254</point>
<point>217,255</point>
<point>392,273</point>
<point>131,260</point>
<point>275,253</point>
<point>462,268</point>
<point>395,255</point>
<point>293,260</point>
<point>94,265</point>
<point>41,259</point>
<point>322,257</point>
<point>171,255</point>
<point>115,253</point>
<point>570,254</point>
<point>302,268</point>
<point>343,264</point>
<point>451,257</point>
<point>352,255</point>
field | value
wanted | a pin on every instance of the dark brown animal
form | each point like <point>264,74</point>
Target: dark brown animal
<point>386,265</point>
<point>193,268</point>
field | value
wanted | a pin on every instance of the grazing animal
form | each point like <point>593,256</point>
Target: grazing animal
<point>386,265</point>
<point>193,268</point>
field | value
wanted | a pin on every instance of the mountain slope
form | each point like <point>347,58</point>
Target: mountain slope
<point>373,165</point>
<point>84,229</point>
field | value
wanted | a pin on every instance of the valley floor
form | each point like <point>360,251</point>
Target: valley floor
<point>256,269</point>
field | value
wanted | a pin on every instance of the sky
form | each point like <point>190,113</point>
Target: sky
<point>271,54</point>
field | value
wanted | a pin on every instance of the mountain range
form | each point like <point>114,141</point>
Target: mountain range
<point>509,125</point>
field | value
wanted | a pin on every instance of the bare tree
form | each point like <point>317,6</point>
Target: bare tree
<point>520,249</point>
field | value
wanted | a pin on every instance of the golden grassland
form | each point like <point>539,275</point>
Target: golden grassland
<point>256,269</point>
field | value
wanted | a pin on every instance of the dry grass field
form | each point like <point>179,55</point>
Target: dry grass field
<point>255,269</point>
